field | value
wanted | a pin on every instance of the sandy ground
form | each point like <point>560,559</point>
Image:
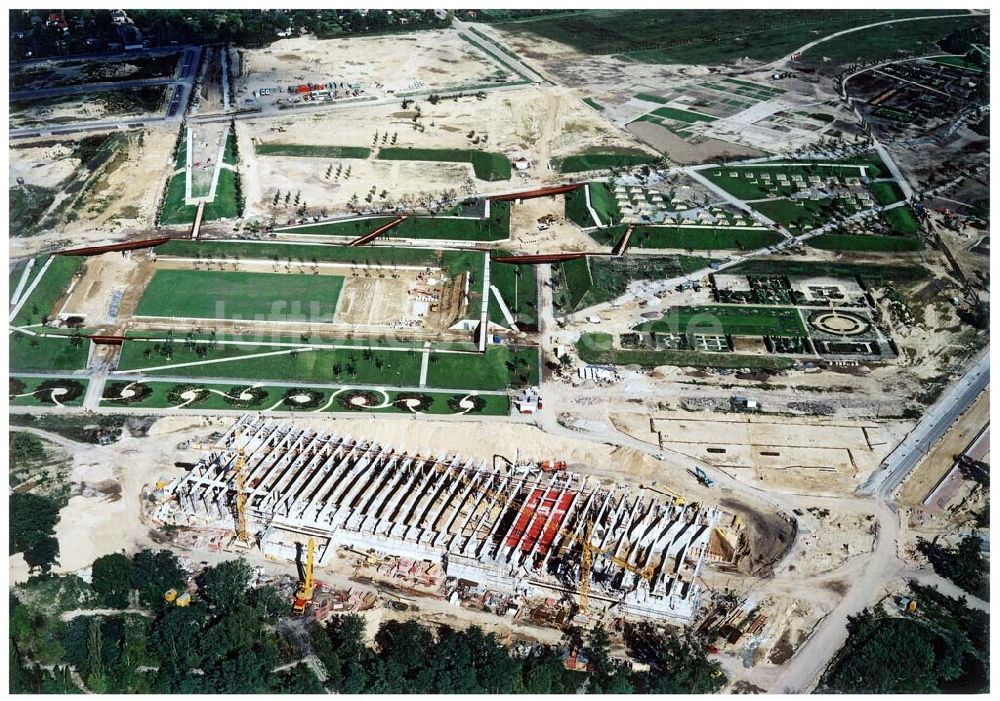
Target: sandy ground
<point>422,60</point>
<point>121,199</point>
<point>562,235</point>
<point>538,123</point>
<point>44,166</point>
<point>923,479</point>
<point>685,153</point>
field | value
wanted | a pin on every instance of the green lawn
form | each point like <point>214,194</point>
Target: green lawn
<point>510,279</point>
<point>863,242</point>
<point>486,165</point>
<point>602,199</point>
<point>902,221</point>
<point>603,161</point>
<point>597,348</point>
<point>32,383</point>
<point>378,367</point>
<point>600,279</point>
<point>737,320</point>
<point>575,208</point>
<point>32,354</point>
<point>496,228</point>
<point>693,239</point>
<point>682,115</point>
<point>231,295</point>
<point>454,261</point>
<point>798,215</point>
<point>958,61</point>
<point>49,289</point>
<point>312,151</point>
<point>214,399</point>
<point>756,188</point>
<point>886,193</point>
<point>499,369</point>
<point>574,281</point>
<point>224,206</point>
<point>649,97</point>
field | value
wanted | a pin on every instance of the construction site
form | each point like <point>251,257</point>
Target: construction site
<point>520,527</point>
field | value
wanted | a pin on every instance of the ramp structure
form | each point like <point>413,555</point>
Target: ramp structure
<point>516,527</point>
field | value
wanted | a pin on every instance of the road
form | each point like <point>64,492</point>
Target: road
<point>91,87</point>
<point>804,48</point>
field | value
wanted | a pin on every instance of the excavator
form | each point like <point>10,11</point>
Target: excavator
<point>304,594</point>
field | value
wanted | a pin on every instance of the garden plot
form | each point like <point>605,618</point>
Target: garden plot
<point>429,60</point>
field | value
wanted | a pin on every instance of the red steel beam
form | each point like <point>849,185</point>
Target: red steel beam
<point>532,194</point>
<point>371,236</point>
<point>622,245</point>
<point>536,259</point>
<point>127,246</point>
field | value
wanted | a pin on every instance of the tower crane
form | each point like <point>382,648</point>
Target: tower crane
<point>239,480</point>
<point>587,560</point>
<point>304,594</point>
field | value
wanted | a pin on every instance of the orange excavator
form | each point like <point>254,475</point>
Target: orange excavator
<point>552,465</point>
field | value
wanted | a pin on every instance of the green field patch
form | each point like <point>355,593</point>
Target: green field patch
<point>603,201</point>
<point>594,103</point>
<point>519,288</point>
<point>691,238</point>
<point>863,271</point>
<point>495,228</point>
<point>798,215</point>
<point>232,295</point>
<point>742,320</point>
<point>598,348</point>
<point>574,281</point>
<point>53,353</point>
<point>682,115</point>
<point>486,165</point>
<point>901,220</point>
<point>608,277</point>
<point>603,161</point>
<point>312,151</point>
<point>27,204</point>
<point>649,97</point>
<point>886,193</point>
<point>50,288</point>
<point>38,391</point>
<point>499,368</point>
<point>958,61</point>
<point>865,242</point>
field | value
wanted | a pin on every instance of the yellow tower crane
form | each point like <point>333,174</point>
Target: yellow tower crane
<point>304,594</point>
<point>240,478</point>
<point>587,561</point>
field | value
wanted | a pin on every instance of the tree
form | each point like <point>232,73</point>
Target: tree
<point>678,663</point>
<point>153,573</point>
<point>25,447</point>
<point>225,584</point>
<point>111,579</point>
<point>32,522</point>
<point>96,681</point>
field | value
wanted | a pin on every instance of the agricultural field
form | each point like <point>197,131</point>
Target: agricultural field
<point>730,320</point>
<point>230,295</point>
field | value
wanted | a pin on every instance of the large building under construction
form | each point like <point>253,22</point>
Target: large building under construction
<point>515,527</point>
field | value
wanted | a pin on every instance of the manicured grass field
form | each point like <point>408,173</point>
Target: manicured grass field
<point>312,151</point>
<point>49,289</point>
<point>602,161</point>
<point>35,353</point>
<point>861,242</point>
<point>886,193</point>
<point>902,221</point>
<point>224,206</point>
<point>500,368</point>
<point>486,165</point>
<point>215,399</point>
<point>496,228</point>
<point>597,348</point>
<point>206,294</point>
<point>682,115</point>
<point>741,320</point>
<point>454,261</point>
<point>31,383</point>
<point>693,239</point>
<point>602,199</point>
<point>510,279</point>
<point>797,215</point>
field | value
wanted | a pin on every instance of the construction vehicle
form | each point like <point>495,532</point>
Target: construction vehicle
<point>170,595</point>
<point>304,594</point>
<point>552,465</point>
<point>183,600</point>
<point>678,499</point>
<point>911,606</point>
<point>702,476</point>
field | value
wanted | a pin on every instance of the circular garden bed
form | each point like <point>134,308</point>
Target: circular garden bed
<point>62,391</point>
<point>299,398</point>
<point>466,404</point>
<point>187,394</point>
<point>126,392</point>
<point>360,399</point>
<point>413,401</point>
<point>245,397</point>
